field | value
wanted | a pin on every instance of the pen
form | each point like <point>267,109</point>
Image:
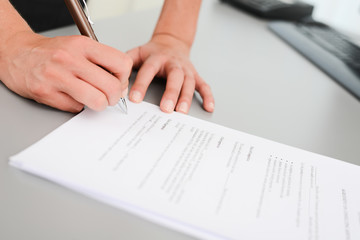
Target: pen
<point>83,22</point>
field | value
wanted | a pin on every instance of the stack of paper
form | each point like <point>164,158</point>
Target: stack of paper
<point>204,179</point>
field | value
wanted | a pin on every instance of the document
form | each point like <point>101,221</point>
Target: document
<point>194,176</point>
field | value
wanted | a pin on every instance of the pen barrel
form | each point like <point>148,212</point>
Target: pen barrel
<point>80,18</point>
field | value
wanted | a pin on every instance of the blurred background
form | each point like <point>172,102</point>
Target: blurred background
<point>343,14</point>
<point>100,9</point>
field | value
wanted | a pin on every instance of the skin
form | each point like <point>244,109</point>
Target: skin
<point>167,55</point>
<point>68,72</point>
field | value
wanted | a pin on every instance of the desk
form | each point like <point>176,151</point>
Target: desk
<point>261,86</point>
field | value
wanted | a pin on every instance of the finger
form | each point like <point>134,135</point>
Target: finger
<point>111,59</point>
<point>57,80</point>
<point>205,92</point>
<point>134,54</point>
<point>84,93</point>
<point>144,77</point>
<point>175,80</point>
<point>100,79</point>
<point>83,68</point>
<point>187,93</point>
<point>63,102</point>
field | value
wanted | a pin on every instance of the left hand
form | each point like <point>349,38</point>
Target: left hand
<point>168,57</point>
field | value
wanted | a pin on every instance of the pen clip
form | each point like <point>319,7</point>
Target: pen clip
<point>87,13</point>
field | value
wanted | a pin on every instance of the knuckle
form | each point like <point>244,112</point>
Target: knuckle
<point>39,91</point>
<point>150,66</point>
<point>172,91</point>
<point>99,103</point>
<point>60,56</point>
<point>77,40</point>
<point>128,62</point>
<point>190,79</point>
<point>186,95</point>
<point>205,87</point>
<point>176,69</point>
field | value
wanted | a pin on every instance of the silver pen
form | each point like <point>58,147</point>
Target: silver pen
<point>83,22</point>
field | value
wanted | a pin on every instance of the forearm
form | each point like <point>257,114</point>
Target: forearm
<point>11,23</point>
<point>167,55</point>
<point>179,19</point>
<point>51,70</point>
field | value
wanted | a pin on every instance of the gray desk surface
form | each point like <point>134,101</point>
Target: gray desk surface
<point>261,86</point>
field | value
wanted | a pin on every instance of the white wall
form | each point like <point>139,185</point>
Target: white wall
<point>342,14</point>
<point>107,8</point>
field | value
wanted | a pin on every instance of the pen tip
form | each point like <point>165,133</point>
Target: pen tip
<point>123,106</point>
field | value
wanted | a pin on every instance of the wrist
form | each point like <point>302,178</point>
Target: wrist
<point>17,44</point>
<point>166,34</point>
<point>18,41</point>
<point>11,22</point>
<point>178,19</point>
<point>170,40</point>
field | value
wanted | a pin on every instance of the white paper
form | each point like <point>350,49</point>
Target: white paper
<point>194,176</point>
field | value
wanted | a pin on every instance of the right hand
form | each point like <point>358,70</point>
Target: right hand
<point>64,72</point>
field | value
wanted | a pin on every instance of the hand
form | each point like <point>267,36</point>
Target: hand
<point>168,57</point>
<point>64,72</point>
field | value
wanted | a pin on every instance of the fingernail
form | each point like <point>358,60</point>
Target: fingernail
<point>183,107</point>
<point>211,106</point>
<point>125,92</point>
<point>135,96</point>
<point>168,106</point>
<point>78,108</point>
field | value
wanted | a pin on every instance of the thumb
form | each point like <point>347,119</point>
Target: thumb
<point>134,54</point>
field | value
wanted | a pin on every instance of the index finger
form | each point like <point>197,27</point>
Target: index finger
<point>205,92</point>
<point>111,59</point>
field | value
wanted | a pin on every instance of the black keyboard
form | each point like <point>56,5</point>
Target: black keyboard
<point>265,4</point>
<point>334,42</point>
<point>327,48</point>
<point>274,9</point>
